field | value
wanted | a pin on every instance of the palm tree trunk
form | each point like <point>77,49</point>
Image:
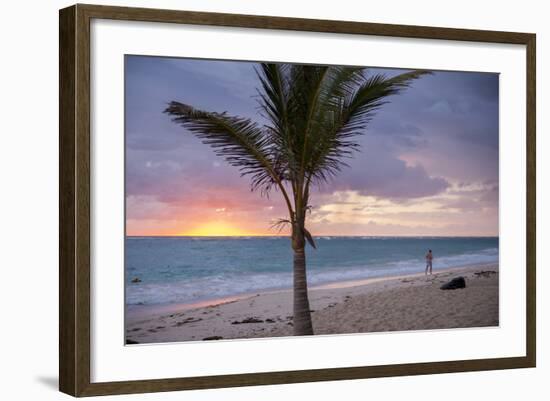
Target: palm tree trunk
<point>302,314</point>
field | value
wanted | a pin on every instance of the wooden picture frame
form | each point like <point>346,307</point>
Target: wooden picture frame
<point>74,200</point>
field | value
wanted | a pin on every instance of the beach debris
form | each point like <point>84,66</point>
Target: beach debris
<point>269,321</point>
<point>485,273</point>
<point>248,320</point>
<point>130,342</point>
<point>212,338</point>
<point>455,283</point>
<point>136,280</point>
<point>188,320</point>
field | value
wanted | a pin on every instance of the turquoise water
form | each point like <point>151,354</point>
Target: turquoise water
<point>191,269</point>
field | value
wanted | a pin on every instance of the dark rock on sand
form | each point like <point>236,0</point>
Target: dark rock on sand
<point>455,283</point>
<point>136,280</point>
<point>212,338</point>
<point>248,320</point>
<point>485,273</point>
<point>269,321</point>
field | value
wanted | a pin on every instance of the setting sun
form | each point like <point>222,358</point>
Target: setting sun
<point>216,229</point>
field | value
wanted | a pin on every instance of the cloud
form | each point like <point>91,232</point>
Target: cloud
<point>441,107</point>
<point>377,170</point>
<point>460,211</point>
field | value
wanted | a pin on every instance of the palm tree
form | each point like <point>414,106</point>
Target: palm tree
<point>315,115</point>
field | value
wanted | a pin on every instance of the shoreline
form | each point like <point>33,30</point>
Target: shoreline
<point>134,311</point>
<point>268,313</point>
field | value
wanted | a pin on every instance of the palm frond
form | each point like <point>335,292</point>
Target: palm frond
<point>280,224</point>
<point>306,85</point>
<point>273,101</point>
<point>241,142</point>
<point>309,238</point>
<point>350,111</point>
<point>374,93</point>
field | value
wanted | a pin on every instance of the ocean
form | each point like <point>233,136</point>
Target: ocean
<point>195,269</point>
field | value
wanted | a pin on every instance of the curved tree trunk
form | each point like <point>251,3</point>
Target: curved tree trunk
<point>302,314</point>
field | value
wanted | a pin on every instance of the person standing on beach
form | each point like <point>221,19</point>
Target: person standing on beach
<point>429,258</point>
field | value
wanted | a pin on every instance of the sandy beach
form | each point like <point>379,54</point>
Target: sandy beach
<point>411,302</point>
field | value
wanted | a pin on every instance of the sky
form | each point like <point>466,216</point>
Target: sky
<point>427,165</point>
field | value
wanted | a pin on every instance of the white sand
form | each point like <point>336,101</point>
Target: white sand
<point>411,302</point>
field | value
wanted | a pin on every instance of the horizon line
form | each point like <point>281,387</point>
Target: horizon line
<point>317,236</point>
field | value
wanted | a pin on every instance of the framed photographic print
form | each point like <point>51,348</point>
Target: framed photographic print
<point>250,200</point>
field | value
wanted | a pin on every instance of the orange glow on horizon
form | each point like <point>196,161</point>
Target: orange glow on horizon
<point>218,229</point>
